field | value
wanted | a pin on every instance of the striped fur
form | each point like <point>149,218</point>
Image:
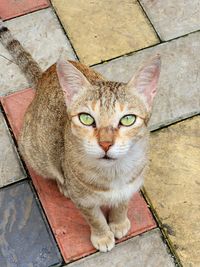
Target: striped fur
<point>23,59</point>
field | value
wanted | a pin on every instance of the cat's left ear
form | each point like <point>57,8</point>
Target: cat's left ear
<point>144,83</point>
<point>71,80</point>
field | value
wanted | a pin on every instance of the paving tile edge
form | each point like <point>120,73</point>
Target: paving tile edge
<point>45,219</point>
<point>32,10</point>
<point>168,123</point>
<point>54,10</point>
<point>145,48</point>
<point>14,144</point>
<point>165,235</point>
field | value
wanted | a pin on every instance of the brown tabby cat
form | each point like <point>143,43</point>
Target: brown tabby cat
<point>89,134</point>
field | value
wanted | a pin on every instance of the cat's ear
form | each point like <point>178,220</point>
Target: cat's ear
<point>146,79</point>
<point>71,80</point>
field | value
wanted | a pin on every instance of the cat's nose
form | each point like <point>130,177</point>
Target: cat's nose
<point>105,145</point>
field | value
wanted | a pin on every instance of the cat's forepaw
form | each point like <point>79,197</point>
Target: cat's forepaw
<point>104,242</point>
<point>120,229</point>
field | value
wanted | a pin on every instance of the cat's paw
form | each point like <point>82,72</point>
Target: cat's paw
<point>63,190</point>
<point>120,229</point>
<point>104,242</point>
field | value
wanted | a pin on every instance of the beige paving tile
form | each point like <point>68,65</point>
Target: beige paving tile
<point>11,169</point>
<point>179,85</point>
<point>147,250</point>
<point>173,186</point>
<point>173,18</point>
<point>41,34</point>
<point>100,30</point>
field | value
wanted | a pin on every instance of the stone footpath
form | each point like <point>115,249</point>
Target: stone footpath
<point>38,226</point>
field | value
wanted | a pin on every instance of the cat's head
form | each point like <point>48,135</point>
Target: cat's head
<point>108,118</point>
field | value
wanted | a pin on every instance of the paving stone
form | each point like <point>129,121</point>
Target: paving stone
<point>173,18</point>
<point>141,251</point>
<point>101,30</point>
<point>11,8</point>
<point>11,169</point>
<point>25,237</point>
<point>173,186</point>
<point>68,225</point>
<point>179,84</point>
<point>41,34</point>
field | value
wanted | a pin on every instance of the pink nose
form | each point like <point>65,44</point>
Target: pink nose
<point>105,145</point>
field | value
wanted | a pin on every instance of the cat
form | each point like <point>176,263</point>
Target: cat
<point>89,134</point>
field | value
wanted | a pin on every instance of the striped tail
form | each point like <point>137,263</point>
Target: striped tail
<point>23,59</point>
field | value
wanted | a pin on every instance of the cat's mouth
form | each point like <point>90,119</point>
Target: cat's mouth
<point>107,158</point>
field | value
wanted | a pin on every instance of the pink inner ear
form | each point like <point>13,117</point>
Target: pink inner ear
<point>146,80</point>
<point>71,80</point>
<point>152,87</point>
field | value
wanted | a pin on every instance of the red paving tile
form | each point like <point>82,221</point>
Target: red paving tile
<point>12,8</point>
<point>69,227</point>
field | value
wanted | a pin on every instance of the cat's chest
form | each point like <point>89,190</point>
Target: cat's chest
<point>121,190</point>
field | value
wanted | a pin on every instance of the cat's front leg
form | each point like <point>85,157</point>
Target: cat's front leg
<point>118,220</point>
<point>101,236</point>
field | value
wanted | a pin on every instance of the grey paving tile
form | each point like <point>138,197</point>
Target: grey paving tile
<point>179,85</point>
<point>41,34</point>
<point>11,169</point>
<point>173,18</point>
<point>147,250</point>
<point>25,239</point>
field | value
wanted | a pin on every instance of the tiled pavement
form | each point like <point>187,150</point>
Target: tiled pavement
<point>38,226</point>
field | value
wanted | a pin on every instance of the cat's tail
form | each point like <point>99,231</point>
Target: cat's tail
<point>23,59</point>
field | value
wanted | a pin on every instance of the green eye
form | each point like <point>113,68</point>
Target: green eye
<point>86,119</point>
<point>128,120</point>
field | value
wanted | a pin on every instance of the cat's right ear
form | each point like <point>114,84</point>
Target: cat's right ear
<point>71,80</point>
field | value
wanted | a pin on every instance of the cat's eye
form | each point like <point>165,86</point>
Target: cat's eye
<point>86,119</point>
<point>128,120</point>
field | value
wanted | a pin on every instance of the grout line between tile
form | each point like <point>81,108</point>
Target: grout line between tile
<point>164,233</point>
<point>29,180</point>
<point>167,124</point>
<point>144,48</point>
<point>29,12</point>
<point>65,31</point>
<point>146,15</point>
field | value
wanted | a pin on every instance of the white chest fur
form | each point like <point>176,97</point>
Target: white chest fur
<point>122,191</point>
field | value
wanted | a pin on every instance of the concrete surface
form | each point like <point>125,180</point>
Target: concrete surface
<point>11,169</point>
<point>41,34</point>
<point>146,250</point>
<point>179,85</point>
<point>12,8</point>
<point>172,19</point>
<point>173,186</point>
<point>100,30</point>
